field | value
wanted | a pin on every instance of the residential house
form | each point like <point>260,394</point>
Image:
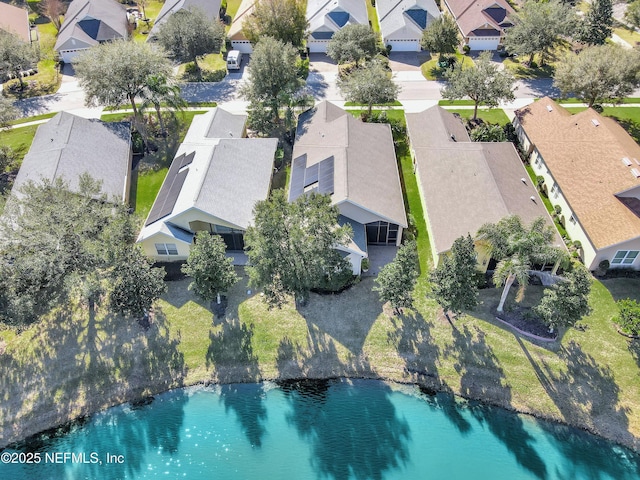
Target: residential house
<point>482,23</point>
<point>210,8</point>
<point>88,23</point>
<point>68,146</point>
<point>354,162</point>
<point>15,20</point>
<point>591,170</point>
<point>403,21</point>
<point>326,17</point>
<point>465,184</point>
<point>238,39</point>
<point>214,181</point>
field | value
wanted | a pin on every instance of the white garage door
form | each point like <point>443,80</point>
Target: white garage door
<point>68,56</point>
<point>317,46</point>
<point>484,43</point>
<point>243,46</point>
<point>404,45</point>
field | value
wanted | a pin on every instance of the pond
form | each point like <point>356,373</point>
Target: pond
<point>336,429</point>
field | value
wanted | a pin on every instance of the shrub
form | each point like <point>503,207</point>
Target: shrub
<point>466,49</point>
<point>628,318</point>
<point>302,64</point>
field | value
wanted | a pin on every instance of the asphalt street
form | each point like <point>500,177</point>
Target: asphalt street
<point>416,93</point>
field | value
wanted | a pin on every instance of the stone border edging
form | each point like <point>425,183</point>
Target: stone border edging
<point>526,334</point>
<point>632,337</point>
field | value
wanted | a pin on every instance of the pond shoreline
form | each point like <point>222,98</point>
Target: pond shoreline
<point>430,384</point>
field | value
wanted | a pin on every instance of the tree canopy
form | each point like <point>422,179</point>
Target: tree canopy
<point>599,73</point>
<point>370,84</point>
<point>597,23</point>
<point>352,43</point>
<point>292,247</point>
<point>632,15</point>
<point>59,245</point>
<point>273,80</point>
<point>441,36</point>
<point>538,27</point>
<point>566,302</point>
<point>482,83</point>
<point>454,284</point>
<point>212,272</point>
<point>8,112</point>
<point>113,73</point>
<point>396,280</point>
<point>284,20</point>
<point>16,55</point>
<point>517,248</point>
<point>188,34</point>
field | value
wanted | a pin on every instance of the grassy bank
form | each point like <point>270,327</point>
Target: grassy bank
<point>73,364</point>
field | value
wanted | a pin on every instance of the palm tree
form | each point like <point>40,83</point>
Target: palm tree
<point>517,248</point>
<point>160,90</point>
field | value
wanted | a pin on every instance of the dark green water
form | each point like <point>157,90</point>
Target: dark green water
<point>334,430</point>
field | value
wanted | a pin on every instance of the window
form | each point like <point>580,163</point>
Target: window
<point>166,249</point>
<point>625,257</point>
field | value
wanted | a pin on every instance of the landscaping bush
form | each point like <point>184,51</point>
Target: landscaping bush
<point>628,318</point>
<point>302,64</point>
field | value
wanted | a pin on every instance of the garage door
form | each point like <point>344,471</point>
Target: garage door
<point>243,46</point>
<point>317,46</point>
<point>404,45</point>
<point>68,56</point>
<point>485,43</point>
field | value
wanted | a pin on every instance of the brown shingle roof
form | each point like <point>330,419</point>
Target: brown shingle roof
<point>474,14</point>
<point>586,162</point>
<point>467,184</point>
<point>15,20</point>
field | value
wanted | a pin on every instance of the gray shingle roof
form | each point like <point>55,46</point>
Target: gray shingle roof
<point>467,184</point>
<point>89,22</point>
<point>211,8</point>
<point>239,175</point>
<point>405,18</point>
<point>68,146</point>
<point>365,166</point>
<point>329,16</point>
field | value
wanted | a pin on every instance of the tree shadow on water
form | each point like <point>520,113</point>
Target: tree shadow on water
<point>231,353</point>
<point>352,434</point>
<point>482,377</point>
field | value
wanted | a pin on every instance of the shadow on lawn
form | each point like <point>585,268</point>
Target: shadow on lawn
<point>347,317</point>
<point>81,362</point>
<point>357,435</point>
<point>586,393</point>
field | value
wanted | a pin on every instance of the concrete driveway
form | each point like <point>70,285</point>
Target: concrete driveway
<point>320,62</point>
<point>407,61</point>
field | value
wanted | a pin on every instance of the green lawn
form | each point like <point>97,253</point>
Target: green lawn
<point>494,115</point>
<point>628,35</point>
<point>149,183</point>
<point>232,7</point>
<point>19,139</point>
<point>373,16</point>
<point>35,118</point>
<point>520,71</point>
<point>152,9</point>
<point>213,62</point>
<point>431,70</point>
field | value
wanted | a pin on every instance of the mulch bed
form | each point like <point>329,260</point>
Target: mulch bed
<point>516,317</point>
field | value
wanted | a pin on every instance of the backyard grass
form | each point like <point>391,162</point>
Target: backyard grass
<point>588,379</point>
<point>431,70</point>
<point>149,183</point>
<point>152,9</point>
